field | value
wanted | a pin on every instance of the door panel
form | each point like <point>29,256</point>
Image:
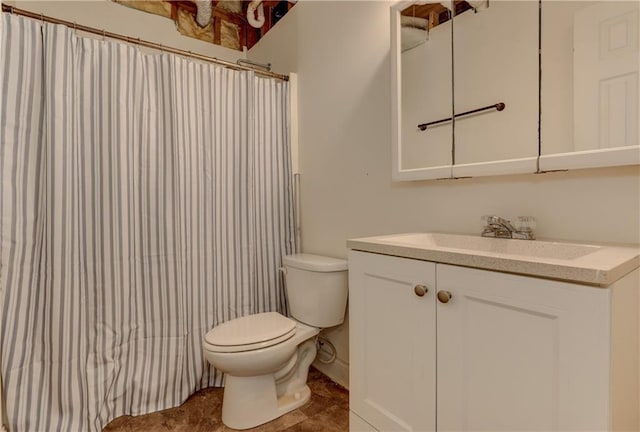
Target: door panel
<point>392,340</point>
<point>516,353</point>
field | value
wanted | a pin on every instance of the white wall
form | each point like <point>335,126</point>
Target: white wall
<point>341,52</point>
<point>110,16</point>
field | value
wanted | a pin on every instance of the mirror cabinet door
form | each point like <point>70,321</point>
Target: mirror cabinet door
<point>495,49</point>
<point>422,50</point>
<point>567,72</point>
<point>590,91</point>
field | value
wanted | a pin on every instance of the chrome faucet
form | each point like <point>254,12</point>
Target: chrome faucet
<point>498,227</point>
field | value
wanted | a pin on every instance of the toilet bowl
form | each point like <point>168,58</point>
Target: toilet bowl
<point>265,379</point>
<point>266,356</point>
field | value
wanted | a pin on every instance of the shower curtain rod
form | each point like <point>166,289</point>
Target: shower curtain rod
<point>140,42</point>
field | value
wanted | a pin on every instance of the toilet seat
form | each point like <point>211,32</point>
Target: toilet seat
<point>249,333</point>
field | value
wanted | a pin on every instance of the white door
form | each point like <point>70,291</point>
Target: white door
<point>392,342</point>
<point>517,353</point>
<point>605,67</point>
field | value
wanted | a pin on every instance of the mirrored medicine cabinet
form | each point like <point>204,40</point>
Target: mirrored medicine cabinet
<point>488,87</point>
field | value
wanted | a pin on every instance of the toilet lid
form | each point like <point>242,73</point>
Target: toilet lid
<point>251,332</point>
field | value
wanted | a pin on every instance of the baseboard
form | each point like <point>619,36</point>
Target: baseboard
<point>338,371</point>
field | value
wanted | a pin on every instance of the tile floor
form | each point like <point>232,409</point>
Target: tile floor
<point>327,411</point>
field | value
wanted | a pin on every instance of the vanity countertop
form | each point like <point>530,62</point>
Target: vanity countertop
<point>594,264</point>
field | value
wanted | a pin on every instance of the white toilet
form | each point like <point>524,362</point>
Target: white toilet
<point>266,356</point>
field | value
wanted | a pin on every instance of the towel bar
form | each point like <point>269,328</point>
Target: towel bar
<point>499,106</point>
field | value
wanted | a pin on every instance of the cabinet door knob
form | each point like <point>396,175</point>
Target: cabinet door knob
<point>420,290</point>
<point>444,296</point>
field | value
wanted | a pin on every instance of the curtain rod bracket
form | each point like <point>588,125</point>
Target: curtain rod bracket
<point>265,66</point>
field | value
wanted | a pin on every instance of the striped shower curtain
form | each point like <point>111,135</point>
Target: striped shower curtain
<point>143,200</point>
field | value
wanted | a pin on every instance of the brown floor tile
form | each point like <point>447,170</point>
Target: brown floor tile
<point>316,404</point>
<point>321,422</point>
<point>323,386</point>
<point>327,411</point>
<point>338,415</point>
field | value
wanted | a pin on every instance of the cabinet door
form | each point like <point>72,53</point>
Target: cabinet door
<point>590,92</point>
<point>496,60</point>
<point>520,353</point>
<point>392,342</point>
<point>424,88</point>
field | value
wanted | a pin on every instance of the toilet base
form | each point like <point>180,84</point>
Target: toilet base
<point>258,393</point>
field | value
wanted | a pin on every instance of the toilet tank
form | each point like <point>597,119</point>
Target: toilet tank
<point>317,289</point>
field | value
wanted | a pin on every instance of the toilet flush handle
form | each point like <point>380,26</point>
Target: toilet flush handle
<point>283,272</point>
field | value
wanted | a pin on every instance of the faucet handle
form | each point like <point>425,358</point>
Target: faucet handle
<point>526,223</point>
<point>490,219</point>
<point>493,220</point>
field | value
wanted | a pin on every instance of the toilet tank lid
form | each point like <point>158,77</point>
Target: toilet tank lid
<point>316,263</point>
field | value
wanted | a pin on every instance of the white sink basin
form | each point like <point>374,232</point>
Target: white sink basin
<point>593,264</point>
<point>534,249</point>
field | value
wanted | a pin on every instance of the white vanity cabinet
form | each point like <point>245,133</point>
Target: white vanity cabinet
<point>503,352</point>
